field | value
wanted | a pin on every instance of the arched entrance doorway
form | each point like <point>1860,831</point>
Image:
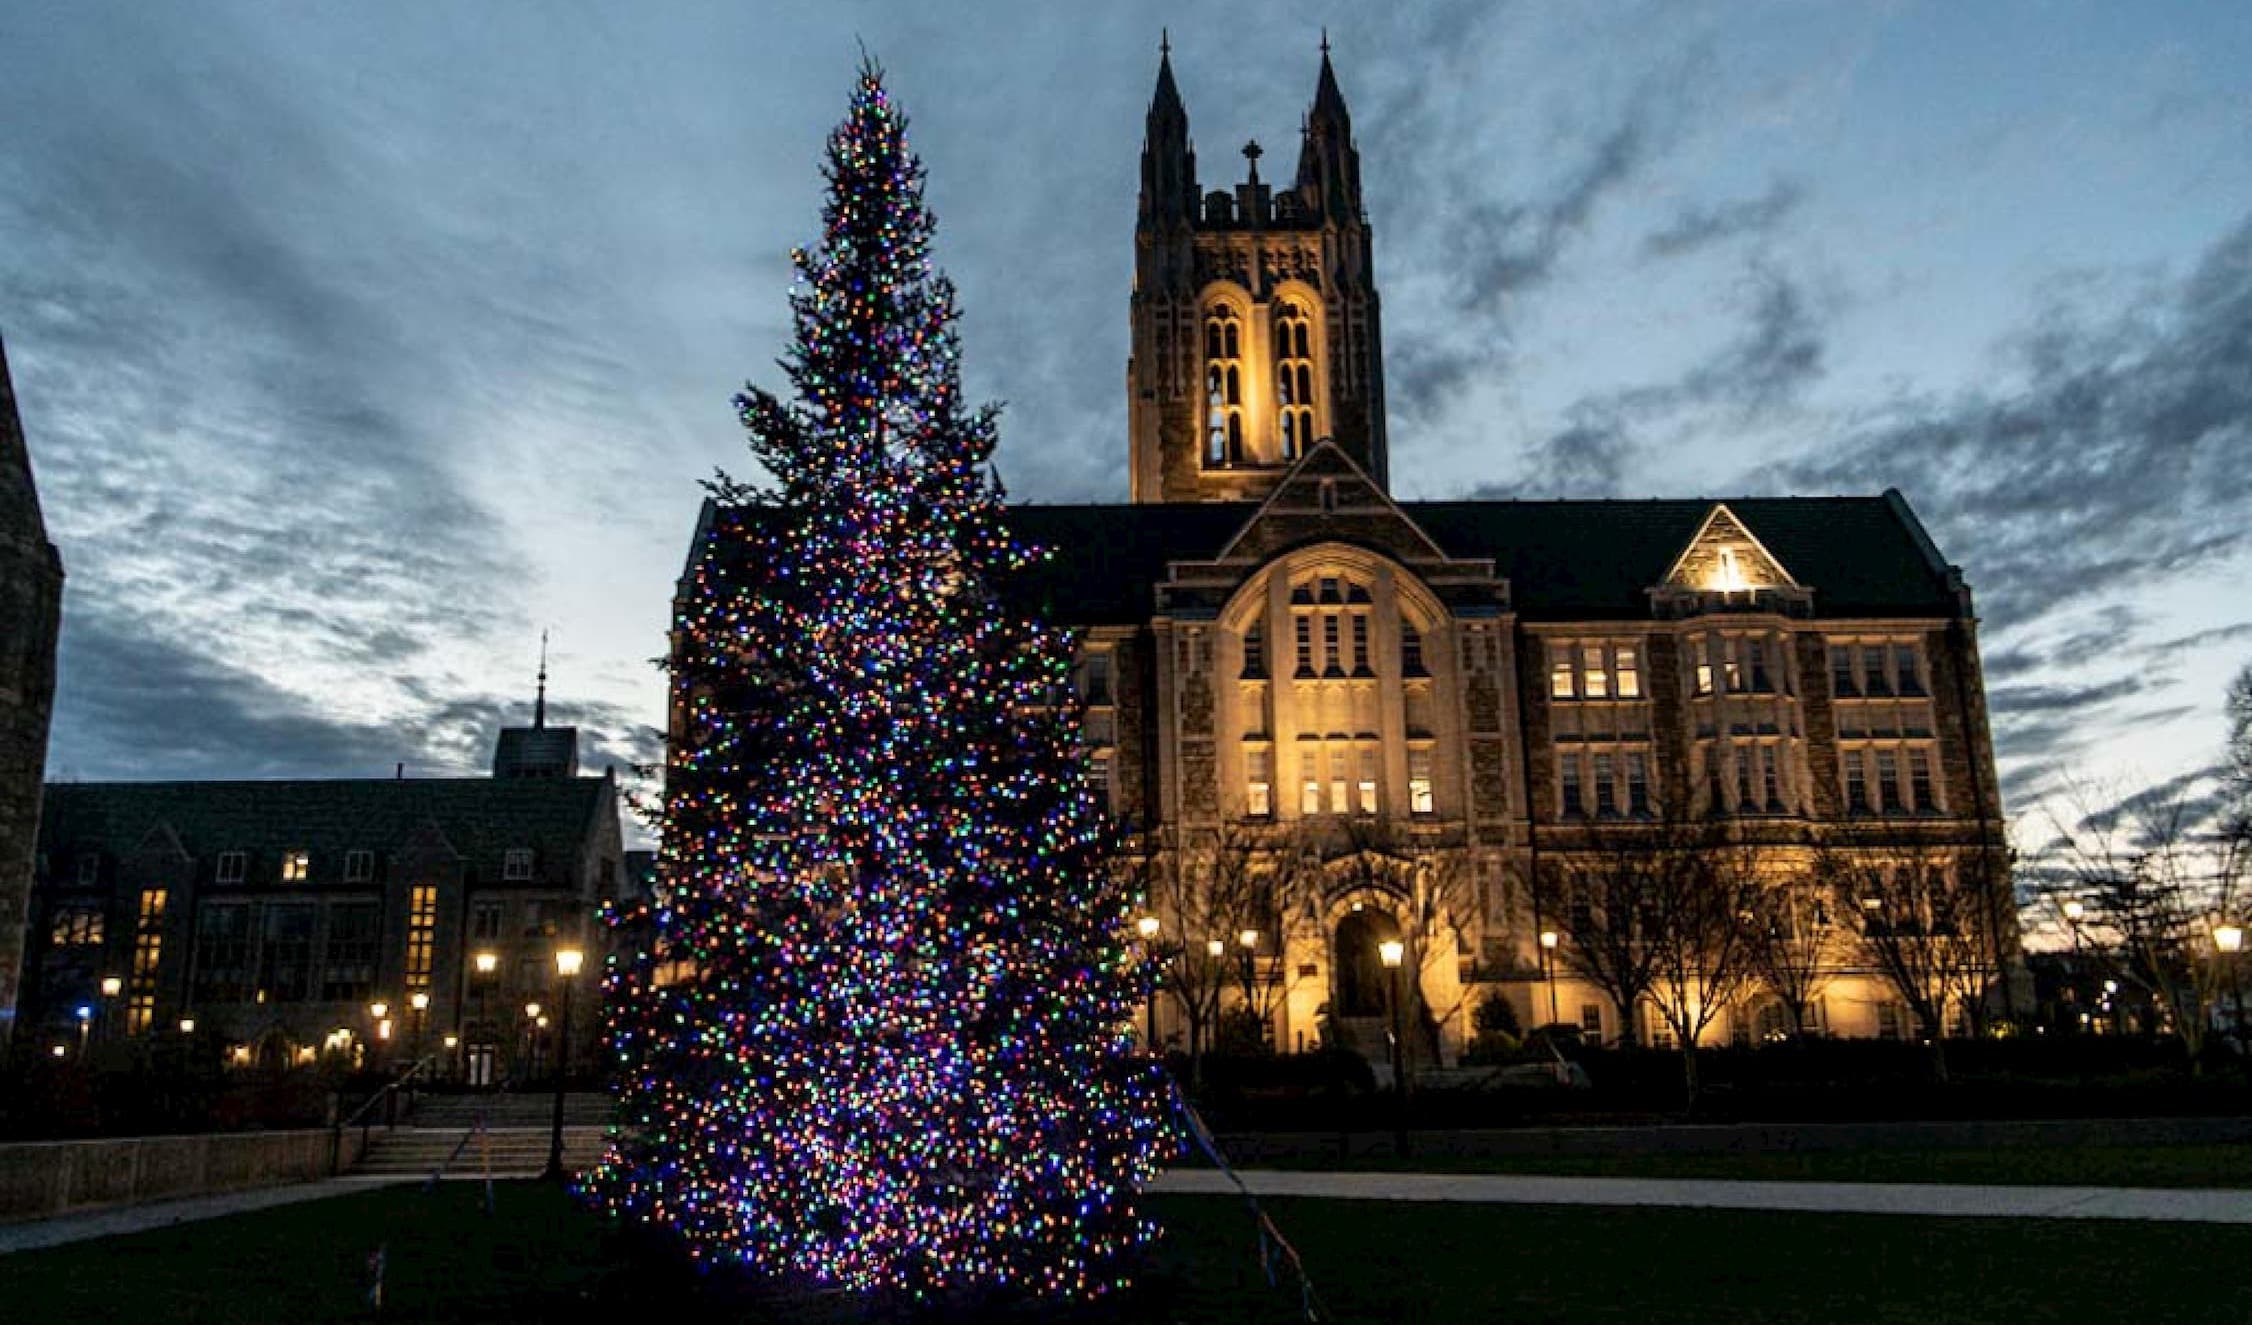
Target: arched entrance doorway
<point>1363,982</point>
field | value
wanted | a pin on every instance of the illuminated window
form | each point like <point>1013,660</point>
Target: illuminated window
<point>1731,571</point>
<point>1628,673</point>
<point>1309,783</point>
<point>231,866</point>
<point>516,865</point>
<point>1294,380</point>
<point>295,866</point>
<point>1419,780</point>
<point>76,927</point>
<point>1337,781</point>
<point>1259,783</point>
<point>1367,785</point>
<point>422,936</point>
<point>359,866</point>
<point>1223,387</point>
<point>1560,671</point>
<point>148,955</point>
<point>1700,658</point>
<point>1595,681</point>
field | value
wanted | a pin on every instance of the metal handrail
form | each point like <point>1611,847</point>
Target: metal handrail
<point>359,1116</point>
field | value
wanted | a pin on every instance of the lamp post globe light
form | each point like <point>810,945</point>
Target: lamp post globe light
<point>2228,940</point>
<point>1548,941</point>
<point>1393,953</point>
<point>1149,927</point>
<point>567,963</point>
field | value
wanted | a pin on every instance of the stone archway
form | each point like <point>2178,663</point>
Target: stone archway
<point>1363,982</point>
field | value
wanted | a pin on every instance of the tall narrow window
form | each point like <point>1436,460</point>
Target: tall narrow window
<point>1309,783</point>
<point>1568,775</point>
<point>1856,783</point>
<point>1411,650</point>
<point>1419,780</point>
<point>1629,674</point>
<point>1700,656</point>
<point>1294,380</point>
<point>1771,777</point>
<point>1330,651</point>
<point>1731,654</point>
<point>1888,781</point>
<point>1360,645</point>
<point>1337,785</point>
<point>148,955</point>
<point>1637,785</point>
<point>1841,671</point>
<point>1606,789</point>
<point>296,866</point>
<point>1223,388</point>
<point>1907,674</point>
<point>1098,678</point>
<point>1305,645</point>
<point>1920,782</point>
<point>1255,651</point>
<point>1366,787</point>
<point>1873,675</point>
<point>1755,651</point>
<point>1258,792</point>
<point>422,935</point>
<point>1747,797</point>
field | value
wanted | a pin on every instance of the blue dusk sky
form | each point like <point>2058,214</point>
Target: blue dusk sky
<point>358,344</point>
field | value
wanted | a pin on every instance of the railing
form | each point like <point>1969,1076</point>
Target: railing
<point>364,1116</point>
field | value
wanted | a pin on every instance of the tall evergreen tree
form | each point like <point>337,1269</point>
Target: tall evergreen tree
<point>882,1036</point>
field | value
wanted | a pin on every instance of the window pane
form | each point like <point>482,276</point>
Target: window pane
<point>1629,675</point>
<point>1595,683</point>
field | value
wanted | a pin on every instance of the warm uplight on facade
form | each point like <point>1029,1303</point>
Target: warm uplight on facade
<point>1392,951</point>
<point>1728,573</point>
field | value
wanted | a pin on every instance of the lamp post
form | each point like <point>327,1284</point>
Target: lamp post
<point>85,1027</point>
<point>1392,951</point>
<point>112,986</point>
<point>1248,941</point>
<point>567,961</point>
<point>2074,910</point>
<point>1548,969</point>
<point>2229,940</point>
<point>1148,927</point>
<point>419,1003</point>
<point>487,963</point>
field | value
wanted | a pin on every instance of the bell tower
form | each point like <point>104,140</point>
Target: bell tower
<point>1255,324</point>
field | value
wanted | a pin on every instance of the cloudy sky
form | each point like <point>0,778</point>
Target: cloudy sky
<point>359,343</point>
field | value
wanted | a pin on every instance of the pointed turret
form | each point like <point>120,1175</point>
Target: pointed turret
<point>19,500</point>
<point>1329,167</point>
<point>1168,161</point>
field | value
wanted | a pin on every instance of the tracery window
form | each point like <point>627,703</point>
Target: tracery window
<point>1223,387</point>
<point>1294,379</point>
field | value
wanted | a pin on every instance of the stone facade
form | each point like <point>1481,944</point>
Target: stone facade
<point>31,583</point>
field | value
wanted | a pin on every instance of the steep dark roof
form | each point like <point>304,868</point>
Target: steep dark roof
<point>481,818</point>
<point>1564,560</point>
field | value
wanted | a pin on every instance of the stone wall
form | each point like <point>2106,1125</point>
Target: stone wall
<point>42,1179</point>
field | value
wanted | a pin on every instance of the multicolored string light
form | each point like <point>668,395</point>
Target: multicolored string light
<point>880,1035</point>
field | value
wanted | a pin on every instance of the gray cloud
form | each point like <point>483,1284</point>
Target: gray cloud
<point>1698,227</point>
<point>2119,459</point>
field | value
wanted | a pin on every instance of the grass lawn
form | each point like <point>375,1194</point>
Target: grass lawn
<point>2054,1166</point>
<point>543,1259</point>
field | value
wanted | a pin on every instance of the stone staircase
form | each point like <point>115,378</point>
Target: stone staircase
<point>515,1142</point>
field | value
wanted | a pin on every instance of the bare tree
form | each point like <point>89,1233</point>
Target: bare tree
<point>1920,915</point>
<point>1699,918</point>
<point>1793,946</point>
<point>2158,872</point>
<point>1607,901</point>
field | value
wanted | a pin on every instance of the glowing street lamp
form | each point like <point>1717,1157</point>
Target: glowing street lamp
<point>2228,938</point>
<point>567,963</point>
<point>187,1025</point>
<point>112,986</point>
<point>487,962</point>
<point>1215,947</point>
<point>1548,940</point>
<point>1147,927</point>
<point>1393,952</point>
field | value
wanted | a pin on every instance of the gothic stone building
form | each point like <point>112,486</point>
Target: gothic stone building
<point>263,923</point>
<point>31,584</point>
<point>1276,649</point>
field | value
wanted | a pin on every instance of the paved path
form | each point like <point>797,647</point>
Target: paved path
<point>33,1235</point>
<point>2207,1206</point>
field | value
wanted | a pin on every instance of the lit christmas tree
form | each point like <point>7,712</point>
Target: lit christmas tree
<point>882,1033</point>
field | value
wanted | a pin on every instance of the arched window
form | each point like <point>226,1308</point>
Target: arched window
<point>1223,387</point>
<point>1294,379</point>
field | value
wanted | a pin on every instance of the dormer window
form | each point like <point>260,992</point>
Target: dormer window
<point>89,870</point>
<point>231,866</point>
<point>296,866</point>
<point>359,866</point>
<point>516,866</point>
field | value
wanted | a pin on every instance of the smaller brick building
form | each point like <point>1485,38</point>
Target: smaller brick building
<point>275,918</point>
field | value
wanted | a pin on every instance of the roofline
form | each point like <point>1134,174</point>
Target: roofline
<point>178,783</point>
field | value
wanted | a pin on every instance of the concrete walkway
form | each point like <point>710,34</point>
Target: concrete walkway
<point>32,1235</point>
<point>2200,1206</point>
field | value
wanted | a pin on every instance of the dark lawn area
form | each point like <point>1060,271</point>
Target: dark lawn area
<point>542,1259</point>
<point>2058,1166</point>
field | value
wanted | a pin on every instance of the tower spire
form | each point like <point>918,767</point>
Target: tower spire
<point>1168,162</point>
<point>539,705</point>
<point>19,497</point>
